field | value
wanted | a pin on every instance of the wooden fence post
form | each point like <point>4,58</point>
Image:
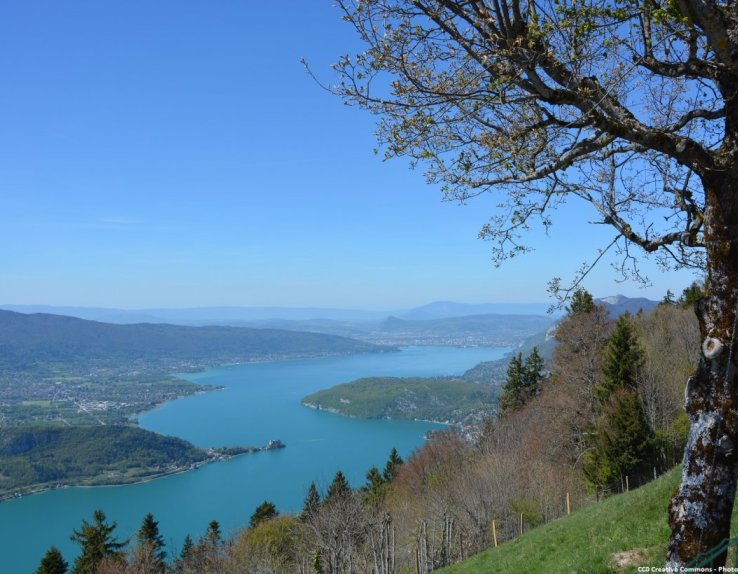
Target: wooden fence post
<point>494,533</point>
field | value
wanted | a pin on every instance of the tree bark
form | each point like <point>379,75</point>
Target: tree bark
<point>699,514</point>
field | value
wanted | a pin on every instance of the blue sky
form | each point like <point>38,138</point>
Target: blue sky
<point>176,154</point>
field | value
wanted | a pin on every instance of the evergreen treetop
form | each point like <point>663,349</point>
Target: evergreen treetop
<point>581,302</point>
<point>524,381</point>
<point>265,511</point>
<point>339,488</point>
<point>97,542</point>
<point>52,563</point>
<point>151,544</point>
<point>392,466</point>
<point>691,295</point>
<point>212,535</point>
<point>312,502</point>
<point>622,361</point>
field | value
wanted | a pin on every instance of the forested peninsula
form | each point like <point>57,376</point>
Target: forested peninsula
<point>41,457</point>
<point>459,400</point>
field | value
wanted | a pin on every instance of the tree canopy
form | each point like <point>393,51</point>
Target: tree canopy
<point>611,102</point>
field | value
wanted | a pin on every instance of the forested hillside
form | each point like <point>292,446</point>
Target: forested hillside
<point>442,399</point>
<point>27,340</point>
<point>39,457</point>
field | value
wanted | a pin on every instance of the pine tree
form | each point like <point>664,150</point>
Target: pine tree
<point>184,562</point>
<point>668,298</point>
<point>212,535</point>
<point>625,435</point>
<point>207,553</point>
<point>188,547</point>
<point>532,375</point>
<point>96,542</point>
<point>375,486</point>
<point>691,295</point>
<point>523,381</point>
<point>581,302</point>
<point>623,359</point>
<point>265,511</point>
<point>52,563</point>
<point>511,397</point>
<point>150,547</point>
<point>623,443</point>
<point>311,504</point>
<point>338,489</point>
<point>391,468</point>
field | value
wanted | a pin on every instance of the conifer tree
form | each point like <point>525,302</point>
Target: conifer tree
<point>187,547</point>
<point>621,444</point>
<point>96,542</point>
<point>52,563</point>
<point>338,489</point>
<point>532,374</point>
<point>668,298</point>
<point>691,295</point>
<point>150,547</point>
<point>523,381</point>
<point>374,479</point>
<point>625,435</point>
<point>392,466</point>
<point>374,487</point>
<point>511,397</point>
<point>311,504</point>
<point>265,511</point>
<point>184,562</point>
<point>623,358</point>
<point>212,535</point>
<point>207,553</point>
<point>581,302</point>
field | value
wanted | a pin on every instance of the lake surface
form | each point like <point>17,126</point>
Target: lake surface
<point>260,401</point>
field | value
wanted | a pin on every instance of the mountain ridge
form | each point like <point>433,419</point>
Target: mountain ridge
<point>41,336</point>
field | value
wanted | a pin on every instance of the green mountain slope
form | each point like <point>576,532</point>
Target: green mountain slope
<point>619,534</point>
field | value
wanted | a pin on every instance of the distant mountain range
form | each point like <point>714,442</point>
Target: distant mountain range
<point>446,309</point>
<point>325,317</point>
<point>41,337</point>
<point>201,315</point>
<point>619,304</point>
<point>439,323</point>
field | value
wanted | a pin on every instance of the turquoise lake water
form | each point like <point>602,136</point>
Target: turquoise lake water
<point>260,401</point>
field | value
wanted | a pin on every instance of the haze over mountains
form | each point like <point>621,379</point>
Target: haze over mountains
<point>238,315</point>
<point>438,323</point>
<point>230,315</point>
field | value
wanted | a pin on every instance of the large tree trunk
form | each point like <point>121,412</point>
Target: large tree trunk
<point>700,511</point>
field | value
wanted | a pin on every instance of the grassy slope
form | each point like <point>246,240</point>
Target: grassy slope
<point>586,541</point>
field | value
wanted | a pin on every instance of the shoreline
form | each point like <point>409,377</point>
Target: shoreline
<point>204,388</point>
<point>335,411</point>
<point>212,458</point>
